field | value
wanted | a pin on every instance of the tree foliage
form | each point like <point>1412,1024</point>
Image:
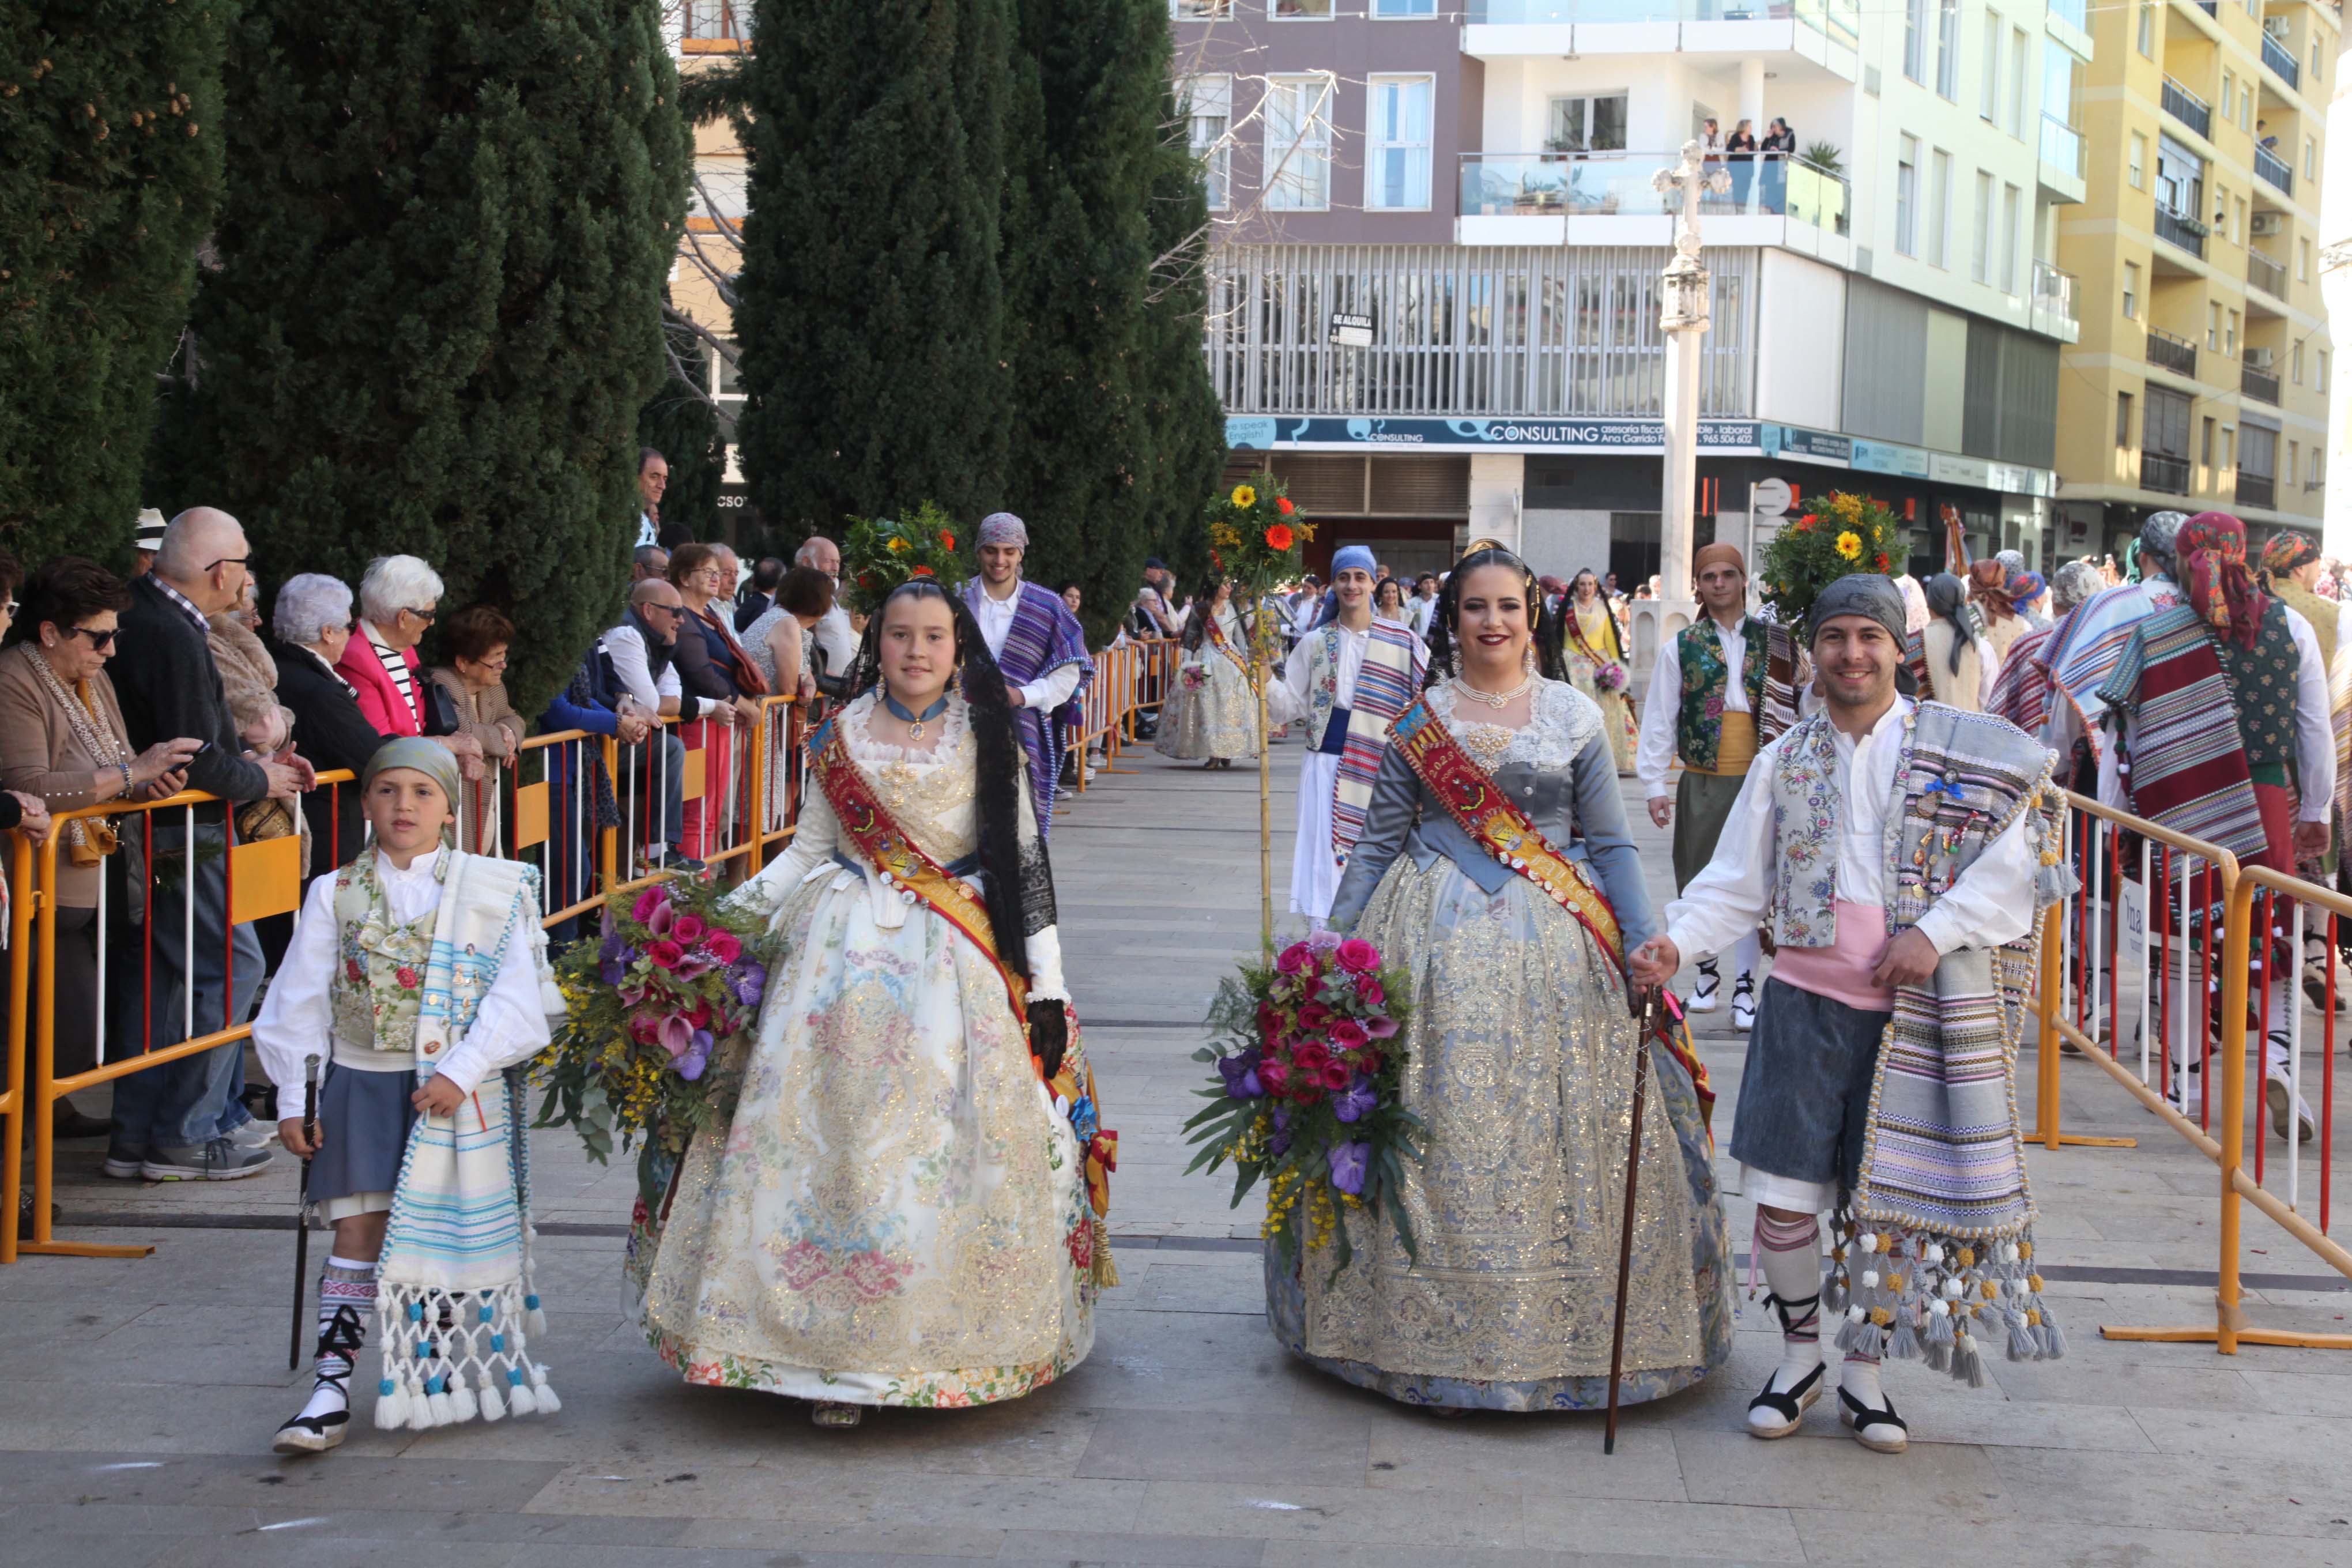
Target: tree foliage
<point>436,315</point>
<point>111,115</point>
<point>871,309</point>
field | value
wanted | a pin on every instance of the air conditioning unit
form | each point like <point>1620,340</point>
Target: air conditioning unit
<point>2267,223</point>
<point>2276,26</point>
<point>2261,359</point>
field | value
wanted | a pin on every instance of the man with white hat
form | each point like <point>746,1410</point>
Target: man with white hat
<point>148,538</point>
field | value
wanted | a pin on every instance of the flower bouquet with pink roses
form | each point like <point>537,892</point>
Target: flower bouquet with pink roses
<point>1309,1061</point>
<point>1609,677</point>
<point>652,1009</point>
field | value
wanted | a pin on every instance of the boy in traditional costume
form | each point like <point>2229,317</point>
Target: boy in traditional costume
<point>906,1207</point>
<point>2219,708</point>
<point>1901,853</point>
<point>1039,647</point>
<point>1722,686</point>
<point>417,974</point>
<point>1349,679</point>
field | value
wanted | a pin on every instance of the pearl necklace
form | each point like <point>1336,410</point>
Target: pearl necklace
<point>1491,699</point>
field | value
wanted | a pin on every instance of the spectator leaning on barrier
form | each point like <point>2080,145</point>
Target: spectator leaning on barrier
<point>400,598</point>
<point>310,623</point>
<point>19,811</point>
<point>62,743</point>
<point>174,1123</point>
<point>476,640</point>
<point>837,640</point>
<point>637,673</point>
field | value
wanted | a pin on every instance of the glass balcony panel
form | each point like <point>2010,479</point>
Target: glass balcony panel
<point>1559,184</point>
<point>2062,145</point>
<point>2053,292</point>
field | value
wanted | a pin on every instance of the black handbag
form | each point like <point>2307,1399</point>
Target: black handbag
<point>440,708</point>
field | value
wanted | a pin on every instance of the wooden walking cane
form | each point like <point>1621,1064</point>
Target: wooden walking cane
<point>302,1209</point>
<point>1625,1236</point>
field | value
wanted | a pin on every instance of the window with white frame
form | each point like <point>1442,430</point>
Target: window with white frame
<point>1939,207</point>
<point>2010,203</point>
<point>2131,290</point>
<point>1593,124</point>
<point>2147,38</point>
<point>1299,10</point>
<point>1403,9</point>
<point>2230,335</point>
<point>1209,118</point>
<point>1199,10</point>
<point>2019,48</point>
<point>2138,168</point>
<point>2295,366</point>
<point>1989,95</point>
<point>1396,162</point>
<point>2310,158</point>
<point>1298,142</point>
<point>1915,39</point>
<point>1947,48</point>
<point>2214,325</point>
<point>1906,198</point>
<point>2229,96</point>
<point>1980,236</point>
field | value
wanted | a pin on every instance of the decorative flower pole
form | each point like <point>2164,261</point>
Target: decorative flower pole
<point>1254,538</point>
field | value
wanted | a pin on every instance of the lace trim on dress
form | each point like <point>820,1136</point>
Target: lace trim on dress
<point>955,733</point>
<point>1561,722</point>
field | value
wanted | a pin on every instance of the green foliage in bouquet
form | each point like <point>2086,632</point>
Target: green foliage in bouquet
<point>653,1016</point>
<point>1309,1059</point>
<point>882,553</point>
<point>1850,534</point>
<point>1256,536</point>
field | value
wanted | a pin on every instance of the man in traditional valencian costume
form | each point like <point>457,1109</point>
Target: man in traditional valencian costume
<point>1900,853</point>
<point>1723,687</point>
<point>2084,647</point>
<point>1038,645</point>
<point>2219,710</point>
<point>1348,678</point>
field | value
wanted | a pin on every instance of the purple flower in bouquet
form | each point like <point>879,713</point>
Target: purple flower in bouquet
<point>749,981</point>
<point>1242,1081</point>
<point>1324,941</point>
<point>695,1057</point>
<point>1279,1144</point>
<point>1358,1100</point>
<point>1350,1164</point>
<point>663,916</point>
<point>694,962</point>
<point>1382,1028</point>
<point>1609,677</point>
<point>676,1034</point>
<point>613,958</point>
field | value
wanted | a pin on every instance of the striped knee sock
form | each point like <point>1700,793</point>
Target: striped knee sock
<point>346,1299</point>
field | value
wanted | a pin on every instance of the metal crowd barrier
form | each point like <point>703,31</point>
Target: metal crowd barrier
<point>2202,936</point>
<point>1130,680</point>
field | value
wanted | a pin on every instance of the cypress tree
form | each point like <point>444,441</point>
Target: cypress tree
<point>437,313</point>
<point>872,311</point>
<point>1081,151</point>
<point>678,422</point>
<point>110,112</point>
<point>1184,424</point>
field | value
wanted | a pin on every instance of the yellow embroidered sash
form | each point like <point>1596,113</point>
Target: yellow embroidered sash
<point>1217,640</point>
<point>1472,798</point>
<point>887,848</point>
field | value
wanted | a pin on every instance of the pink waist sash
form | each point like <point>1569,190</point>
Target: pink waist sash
<point>1841,972</point>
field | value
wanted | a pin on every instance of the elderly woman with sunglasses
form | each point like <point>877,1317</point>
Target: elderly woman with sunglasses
<point>62,741</point>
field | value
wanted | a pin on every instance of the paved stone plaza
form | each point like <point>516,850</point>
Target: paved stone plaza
<point>140,1396</point>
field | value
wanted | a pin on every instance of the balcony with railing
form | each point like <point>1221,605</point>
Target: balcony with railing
<point>2210,7</point>
<point>2163,471</point>
<point>2263,273</point>
<point>1837,20</point>
<point>2062,146</point>
<point>2167,352</point>
<point>2187,108</point>
<point>2281,61</point>
<point>2181,229</point>
<point>2054,304</point>
<point>1615,183</point>
<point>2261,385</point>
<point>2274,169</point>
<point>2257,490</point>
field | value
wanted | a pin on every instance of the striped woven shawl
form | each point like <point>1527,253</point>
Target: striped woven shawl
<point>2185,758</point>
<point>1386,682</point>
<point>1934,1246</point>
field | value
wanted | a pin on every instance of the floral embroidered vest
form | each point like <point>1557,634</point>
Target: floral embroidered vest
<point>1323,682</point>
<point>1961,780</point>
<point>1698,723</point>
<point>379,982</point>
<point>2262,682</point>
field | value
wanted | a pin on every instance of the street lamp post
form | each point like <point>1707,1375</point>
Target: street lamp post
<point>1683,316</point>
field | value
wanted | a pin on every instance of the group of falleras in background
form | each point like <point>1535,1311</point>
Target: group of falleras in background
<point>907,1206</point>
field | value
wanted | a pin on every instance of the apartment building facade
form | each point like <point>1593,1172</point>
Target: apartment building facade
<point>2200,378</point>
<point>1435,294</point>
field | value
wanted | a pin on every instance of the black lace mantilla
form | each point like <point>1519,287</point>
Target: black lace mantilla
<point>1036,888</point>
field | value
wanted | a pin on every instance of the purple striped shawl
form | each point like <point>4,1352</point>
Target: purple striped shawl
<point>1045,636</point>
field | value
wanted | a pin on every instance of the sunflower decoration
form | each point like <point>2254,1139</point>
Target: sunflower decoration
<point>1256,534</point>
<point>1846,534</point>
<point>881,553</point>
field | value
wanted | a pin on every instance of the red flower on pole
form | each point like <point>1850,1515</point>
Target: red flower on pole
<point>1882,562</point>
<point>1279,537</point>
<point>1805,523</point>
<point>947,541</point>
<point>922,572</point>
<point>1282,504</point>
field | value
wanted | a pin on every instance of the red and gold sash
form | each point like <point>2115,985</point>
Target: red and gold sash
<point>887,848</point>
<point>1216,635</point>
<point>1472,798</point>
